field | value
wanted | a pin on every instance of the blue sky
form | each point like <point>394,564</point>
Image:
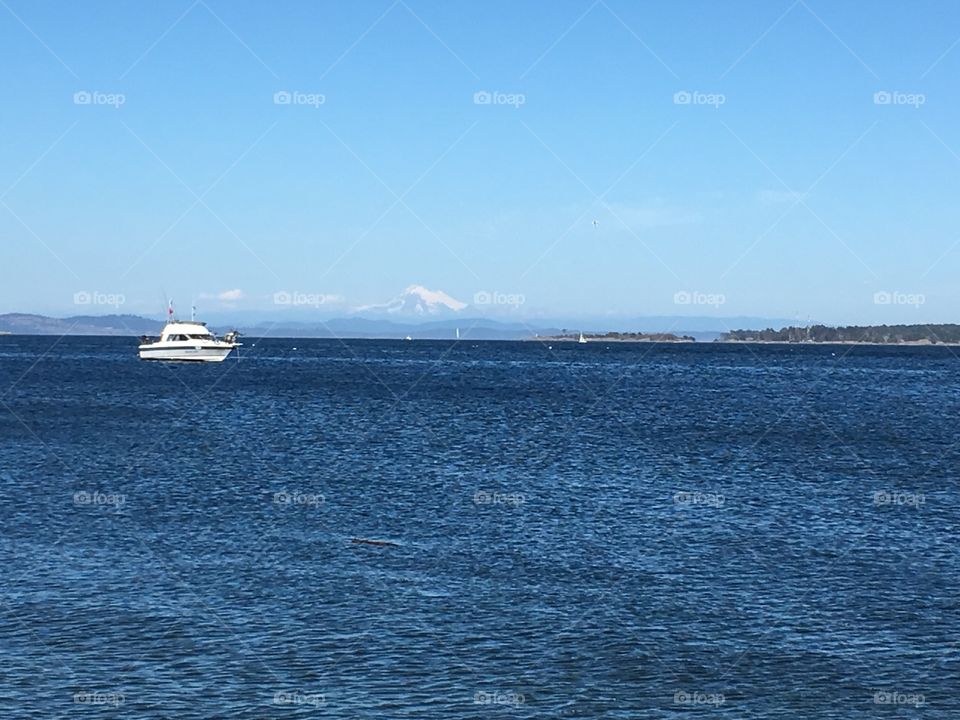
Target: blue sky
<point>629,155</point>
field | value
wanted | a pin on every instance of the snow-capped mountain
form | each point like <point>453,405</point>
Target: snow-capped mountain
<point>417,301</point>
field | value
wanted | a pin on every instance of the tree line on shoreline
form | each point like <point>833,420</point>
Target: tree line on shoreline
<point>886,334</point>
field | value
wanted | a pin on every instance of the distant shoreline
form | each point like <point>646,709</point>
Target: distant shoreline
<point>906,343</point>
<point>913,335</point>
<point>910,343</point>
<point>541,338</point>
<point>618,338</point>
<point>646,341</point>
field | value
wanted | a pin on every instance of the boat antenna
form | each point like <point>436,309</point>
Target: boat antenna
<point>193,311</point>
<point>170,310</point>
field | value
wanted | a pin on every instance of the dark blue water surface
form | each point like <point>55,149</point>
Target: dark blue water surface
<point>600,531</point>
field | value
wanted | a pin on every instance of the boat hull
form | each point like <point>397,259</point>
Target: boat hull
<point>210,353</point>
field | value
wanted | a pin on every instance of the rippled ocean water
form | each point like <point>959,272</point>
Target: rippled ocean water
<point>600,531</point>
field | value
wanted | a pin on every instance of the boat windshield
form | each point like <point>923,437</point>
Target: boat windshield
<point>184,338</point>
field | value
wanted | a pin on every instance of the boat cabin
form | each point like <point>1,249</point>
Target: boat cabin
<point>185,331</point>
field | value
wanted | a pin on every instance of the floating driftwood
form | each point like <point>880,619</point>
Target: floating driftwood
<point>379,543</point>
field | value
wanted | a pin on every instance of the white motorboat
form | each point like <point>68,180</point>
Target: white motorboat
<point>188,341</point>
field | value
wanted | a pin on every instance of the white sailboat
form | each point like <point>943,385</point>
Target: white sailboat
<point>582,340</point>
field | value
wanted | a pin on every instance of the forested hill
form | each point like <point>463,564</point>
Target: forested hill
<point>888,334</point>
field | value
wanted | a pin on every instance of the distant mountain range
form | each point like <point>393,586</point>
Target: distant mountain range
<point>417,312</point>
<point>27,324</point>
<point>392,326</point>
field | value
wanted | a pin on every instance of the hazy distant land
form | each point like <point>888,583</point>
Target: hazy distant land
<point>619,337</point>
<point>491,329</point>
<point>386,326</point>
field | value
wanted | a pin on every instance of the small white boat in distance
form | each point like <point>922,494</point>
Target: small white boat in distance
<point>188,341</point>
<point>582,340</point>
